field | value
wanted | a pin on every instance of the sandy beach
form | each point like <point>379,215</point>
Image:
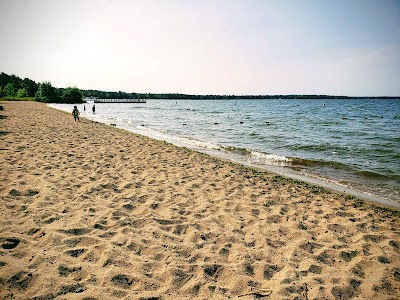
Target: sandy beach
<point>90,211</point>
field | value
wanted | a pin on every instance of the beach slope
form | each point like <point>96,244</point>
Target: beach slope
<point>89,211</point>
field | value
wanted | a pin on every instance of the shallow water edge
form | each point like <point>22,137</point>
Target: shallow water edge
<point>280,168</point>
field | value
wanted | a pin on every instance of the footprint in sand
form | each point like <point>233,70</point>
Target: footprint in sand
<point>9,243</point>
<point>123,281</point>
<point>65,271</point>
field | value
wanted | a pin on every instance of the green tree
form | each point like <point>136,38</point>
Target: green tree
<point>72,95</point>
<point>9,90</point>
<point>47,93</point>
<point>22,93</point>
<point>46,89</point>
<point>30,86</point>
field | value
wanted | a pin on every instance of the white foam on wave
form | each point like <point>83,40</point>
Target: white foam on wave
<point>270,157</point>
<point>182,141</point>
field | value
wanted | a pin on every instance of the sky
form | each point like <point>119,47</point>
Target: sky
<point>225,47</point>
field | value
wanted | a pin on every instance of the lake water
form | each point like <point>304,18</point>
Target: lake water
<point>351,144</point>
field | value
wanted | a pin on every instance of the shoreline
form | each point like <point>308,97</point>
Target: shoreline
<point>294,175</point>
<point>93,211</point>
<point>286,171</point>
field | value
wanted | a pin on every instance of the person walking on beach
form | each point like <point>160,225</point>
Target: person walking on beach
<point>93,109</point>
<point>84,108</point>
<point>75,112</point>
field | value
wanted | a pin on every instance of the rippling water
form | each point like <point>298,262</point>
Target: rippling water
<point>354,143</point>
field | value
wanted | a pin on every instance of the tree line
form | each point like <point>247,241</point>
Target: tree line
<point>13,87</point>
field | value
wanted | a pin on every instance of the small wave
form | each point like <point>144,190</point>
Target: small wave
<point>254,134</point>
<point>187,109</point>
<point>237,150</point>
<point>271,157</point>
<point>301,162</point>
<point>255,156</point>
<point>320,147</point>
<point>372,175</point>
<point>214,112</point>
<point>162,135</point>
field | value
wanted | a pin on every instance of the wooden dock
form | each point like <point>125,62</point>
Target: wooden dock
<point>119,101</point>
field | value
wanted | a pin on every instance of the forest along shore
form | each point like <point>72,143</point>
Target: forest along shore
<point>97,212</point>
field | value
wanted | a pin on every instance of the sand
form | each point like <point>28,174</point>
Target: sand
<point>90,211</point>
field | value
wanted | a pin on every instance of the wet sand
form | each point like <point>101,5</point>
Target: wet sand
<point>90,211</point>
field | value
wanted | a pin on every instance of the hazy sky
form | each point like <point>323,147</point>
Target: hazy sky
<point>335,47</point>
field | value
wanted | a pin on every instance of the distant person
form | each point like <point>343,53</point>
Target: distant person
<point>75,113</point>
<point>84,108</point>
<point>94,109</point>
